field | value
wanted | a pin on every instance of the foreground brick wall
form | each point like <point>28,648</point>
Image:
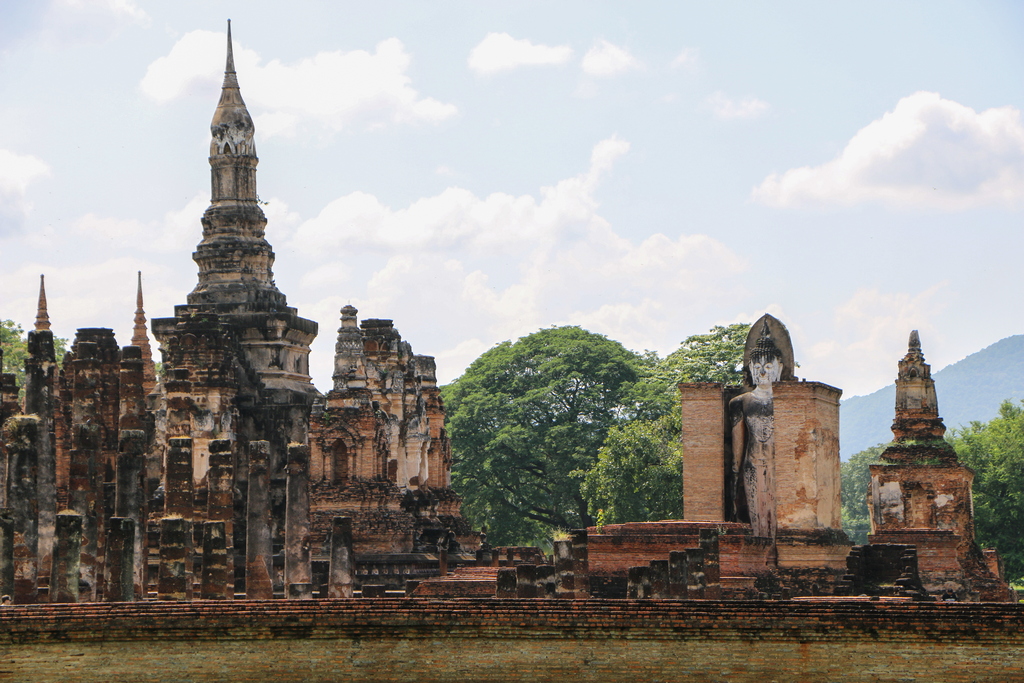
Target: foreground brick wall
<point>512,640</point>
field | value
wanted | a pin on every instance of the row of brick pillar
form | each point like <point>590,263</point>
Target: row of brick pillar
<point>688,574</point>
<point>73,563</point>
<point>568,577</point>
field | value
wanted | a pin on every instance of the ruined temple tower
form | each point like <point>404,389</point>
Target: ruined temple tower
<point>920,494</point>
<point>236,344</point>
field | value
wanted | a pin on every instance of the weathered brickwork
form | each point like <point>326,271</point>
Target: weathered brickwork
<point>210,481</point>
<point>921,494</point>
<point>514,640</point>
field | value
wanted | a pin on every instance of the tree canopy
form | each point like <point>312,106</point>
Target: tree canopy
<point>855,477</point>
<point>524,418</point>
<point>638,473</point>
<point>995,451</point>
<point>550,430</point>
<point>14,343</point>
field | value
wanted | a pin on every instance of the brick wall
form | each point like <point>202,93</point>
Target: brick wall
<point>512,640</point>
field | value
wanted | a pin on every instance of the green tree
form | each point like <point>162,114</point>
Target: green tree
<point>524,418</point>
<point>855,477</point>
<point>995,451</point>
<point>14,343</point>
<point>15,348</point>
<point>638,474</point>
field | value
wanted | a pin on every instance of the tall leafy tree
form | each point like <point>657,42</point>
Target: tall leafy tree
<point>995,451</point>
<point>855,477</point>
<point>15,347</point>
<point>525,417</point>
<point>637,476</point>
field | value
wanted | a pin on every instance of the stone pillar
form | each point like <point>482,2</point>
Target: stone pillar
<point>130,499</point>
<point>702,406</point>
<point>545,581</point>
<point>217,581</point>
<point>637,583</point>
<point>580,564</point>
<point>658,571</point>
<point>505,584</point>
<point>258,546</point>
<point>298,577</point>
<point>7,552</point>
<point>175,581</point>
<point>677,577</point>
<point>67,556</point>
<point>695,583</point>
<point>40,400</point>
<point>83,498</point>
<point>712,576</point>
<point>442,558</point>
<point>21,434</point>
<point>526,581</point>
<point>179,489</point>
<point>565,587</point>
<point>339,583</point>
<point>119,565</point>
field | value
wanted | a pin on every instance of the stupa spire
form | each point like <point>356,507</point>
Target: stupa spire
<point>140,338</point>
<point>42,316</point>
<point>235,261</point>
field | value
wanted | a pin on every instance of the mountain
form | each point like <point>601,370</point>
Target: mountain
<point>970,390</point>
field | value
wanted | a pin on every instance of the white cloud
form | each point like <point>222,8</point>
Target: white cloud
<point>176,231</point>
<point>927,152</point>
<point>78,21</point>
<point>17,172</point>
<point>331,90</point>
<point>869,334</point>
<point>726,108</point>
<point>606,59</point>
<point>688,59</point>
<point>500,266</point>
<point>501,52</point>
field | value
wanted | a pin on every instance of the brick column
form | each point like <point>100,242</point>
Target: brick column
<point>526,581</point>
<point>658,570</point>
<point>7,552</point>
<point>119,565</point>
<point>217,581</point>
<point>702,407</point>
<point>565,587</point>
<point>21,434</point>
<point>712,576</point>
<point>67,556</point>
<point>40,400</point>
<point>695,583</point>
<point>298,576</point>
<point>258,547</point>
<point>339,583</point>
<point>580,564</point>
<point>130,499</point>
<point>220,505</point>
<point>505,584</point>
<point>179,496</point>
<point>677,577</point>
<point>175,581</point>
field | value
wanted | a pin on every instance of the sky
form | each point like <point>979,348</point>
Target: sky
<point>477,171</point>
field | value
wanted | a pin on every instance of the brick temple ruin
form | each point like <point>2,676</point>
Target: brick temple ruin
<point>232,476</point>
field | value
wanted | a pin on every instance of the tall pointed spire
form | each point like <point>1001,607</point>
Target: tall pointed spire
<point>229,67</point>
<point>235,261</point>
<point>140,338</point>
<point>42,316</point>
